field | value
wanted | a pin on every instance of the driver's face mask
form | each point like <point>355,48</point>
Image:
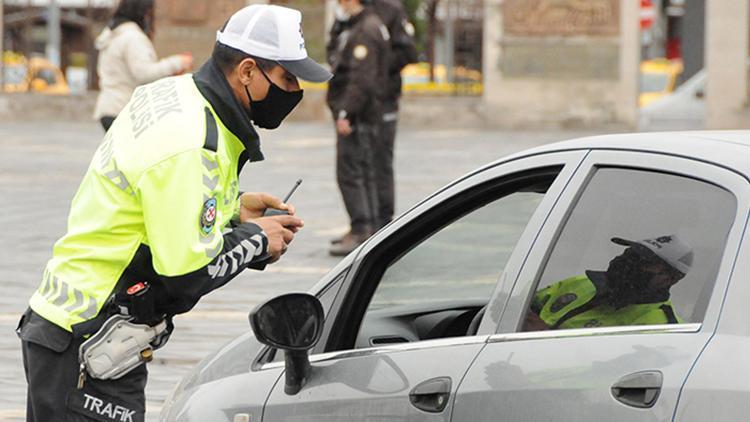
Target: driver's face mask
<point>269,112</point>
<point>626,272</point>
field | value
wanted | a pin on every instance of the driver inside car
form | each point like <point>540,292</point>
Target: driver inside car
<point>634,290</point>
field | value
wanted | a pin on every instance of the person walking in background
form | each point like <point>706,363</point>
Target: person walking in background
<point>127,58</point>
<point>359,61</point>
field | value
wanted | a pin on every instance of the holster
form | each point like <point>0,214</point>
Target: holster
<point>119,346</point>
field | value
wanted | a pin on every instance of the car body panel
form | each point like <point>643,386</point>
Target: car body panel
<point>374,384</point>
<point>717,388</point>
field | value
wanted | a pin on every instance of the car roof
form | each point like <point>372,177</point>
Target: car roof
<point>729,149</point>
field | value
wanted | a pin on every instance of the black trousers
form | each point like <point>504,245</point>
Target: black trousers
<point>383,164</point>
<point>50,360</point>
<point>355,173</point>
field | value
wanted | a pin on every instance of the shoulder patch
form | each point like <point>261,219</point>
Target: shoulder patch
<point>360,52</point>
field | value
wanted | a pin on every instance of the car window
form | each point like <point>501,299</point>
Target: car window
<point>436,287</point>
<point>639,248</point>
<point>463,260</point>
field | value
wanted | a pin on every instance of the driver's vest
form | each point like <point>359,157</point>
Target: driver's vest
<point>165,176</point>
<point>566,305</point>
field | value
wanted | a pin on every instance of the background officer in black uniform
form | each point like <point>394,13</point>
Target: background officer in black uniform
<point>359,59</point>
<point>403,52</point>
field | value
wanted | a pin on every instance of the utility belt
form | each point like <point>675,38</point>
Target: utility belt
<point>127,338</point>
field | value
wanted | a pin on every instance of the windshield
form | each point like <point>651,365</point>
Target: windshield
<point>654,82</point>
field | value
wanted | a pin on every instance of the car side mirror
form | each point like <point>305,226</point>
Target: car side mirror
<point>293,323</point>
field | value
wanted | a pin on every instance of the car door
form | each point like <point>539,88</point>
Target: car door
<point>404,328</point>
<point>607,368</point>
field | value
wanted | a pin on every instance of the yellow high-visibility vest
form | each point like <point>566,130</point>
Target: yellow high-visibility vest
<point>165,176</point>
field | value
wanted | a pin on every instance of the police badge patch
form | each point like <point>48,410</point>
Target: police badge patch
<point>208,216</point>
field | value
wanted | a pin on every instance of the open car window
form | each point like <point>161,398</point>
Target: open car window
<point>434,286</point>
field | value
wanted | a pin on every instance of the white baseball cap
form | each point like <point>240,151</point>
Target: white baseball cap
<point>273,33</point>
<point>670,248</point>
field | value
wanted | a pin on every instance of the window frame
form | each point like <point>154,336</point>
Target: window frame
<point>733,182</point>
<point>422,221</point>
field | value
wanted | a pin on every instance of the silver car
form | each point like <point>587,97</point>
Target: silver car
<point>595,279</point>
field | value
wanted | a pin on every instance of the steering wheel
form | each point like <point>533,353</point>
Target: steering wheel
<point>474,324</point>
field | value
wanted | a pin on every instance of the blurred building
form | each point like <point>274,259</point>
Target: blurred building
<point>191,25</point>
<point>26,28</point>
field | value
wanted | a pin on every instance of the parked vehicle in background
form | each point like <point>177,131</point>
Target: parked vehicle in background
<point>658,77</point>
<point>436,317</point>
<point>684,109</point>
<point>36,74</point>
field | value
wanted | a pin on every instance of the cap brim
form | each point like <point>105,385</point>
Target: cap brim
<point>623,242</point>
<point>306,69</point>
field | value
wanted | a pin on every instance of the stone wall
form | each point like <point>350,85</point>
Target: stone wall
<point>561,62</point>
<point>727,47</point>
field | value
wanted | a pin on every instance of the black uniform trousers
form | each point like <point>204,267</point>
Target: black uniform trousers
<point>355,174</point>
<point>383,165</point>
<point>50,360</point>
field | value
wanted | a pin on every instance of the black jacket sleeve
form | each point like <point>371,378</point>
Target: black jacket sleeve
<point>244,247</point>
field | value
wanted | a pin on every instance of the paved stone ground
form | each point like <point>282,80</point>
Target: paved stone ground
<point>41,164</point>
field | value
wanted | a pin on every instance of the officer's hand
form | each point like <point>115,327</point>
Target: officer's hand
<point>343,127</point>
<point>280,231</point>
<point>254,204</point>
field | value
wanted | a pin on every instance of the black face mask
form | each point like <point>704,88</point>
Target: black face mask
<point>271,111</point>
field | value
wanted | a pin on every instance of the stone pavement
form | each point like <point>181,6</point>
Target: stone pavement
<point>41,164</point>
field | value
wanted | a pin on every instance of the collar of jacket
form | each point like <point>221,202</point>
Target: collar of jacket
<point>214,87</point>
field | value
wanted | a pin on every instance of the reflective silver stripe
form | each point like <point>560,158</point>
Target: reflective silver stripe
<point>208,164</point>
<point>78,302</point>
<point>599,331</point>
<point>62,297</point>
<point>51,293</point>
<point>250,245</point>
<point>213,253</point>
<point>44,289</point>
<point>106,150</point>
<point>115,175</point>
<point>211,183</point>
<point>91,311</point>
<point>208,239</point>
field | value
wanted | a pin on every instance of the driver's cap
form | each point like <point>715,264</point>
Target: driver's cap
<point>670,248</point>
<point>273,33</point>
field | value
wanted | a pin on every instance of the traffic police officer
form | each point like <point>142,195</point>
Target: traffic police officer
<point>633,291</point>
<point>159,211</point>
<point>359,58</point>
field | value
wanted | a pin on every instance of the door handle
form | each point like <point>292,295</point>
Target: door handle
<point>431,395</point>
<point>640,389</point>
